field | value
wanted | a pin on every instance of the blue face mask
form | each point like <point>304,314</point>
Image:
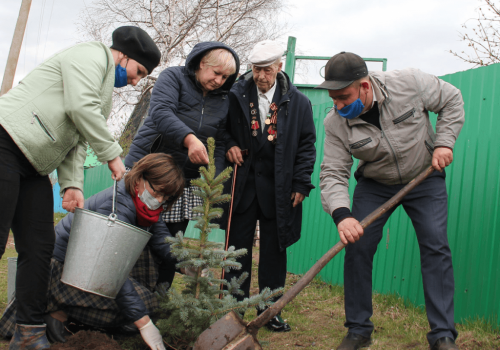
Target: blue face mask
<point>352,110</point>
<point>120,76</point>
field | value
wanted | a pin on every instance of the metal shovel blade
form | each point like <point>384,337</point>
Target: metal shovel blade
<point>232,333</point>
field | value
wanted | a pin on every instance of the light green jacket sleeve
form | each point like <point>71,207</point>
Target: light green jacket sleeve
<point>70,171</point>
<point>84,70</point>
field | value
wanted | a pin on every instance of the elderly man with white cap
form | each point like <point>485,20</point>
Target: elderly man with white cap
<point>272,143</point>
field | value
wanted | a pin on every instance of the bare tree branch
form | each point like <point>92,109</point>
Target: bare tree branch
<point>176,26</point>
<point>484,38</point>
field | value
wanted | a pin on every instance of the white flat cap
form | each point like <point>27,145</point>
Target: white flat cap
<point>265,53</point>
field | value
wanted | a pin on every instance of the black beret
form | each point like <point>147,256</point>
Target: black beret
<point>138,45</point>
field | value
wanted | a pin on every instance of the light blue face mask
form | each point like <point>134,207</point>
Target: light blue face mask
<point>120,76</point>
<point>147,198</point>
<point>352,110</point>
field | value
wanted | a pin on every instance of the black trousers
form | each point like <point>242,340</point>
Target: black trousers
<point>167,270</point>
<point>272,261</point>
<point>26,207</point>
<point>427,208</point>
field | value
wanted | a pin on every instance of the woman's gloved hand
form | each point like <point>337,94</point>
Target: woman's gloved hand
<point>152,336</point>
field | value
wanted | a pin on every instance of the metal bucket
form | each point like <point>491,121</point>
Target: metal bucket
<point>101,252</point>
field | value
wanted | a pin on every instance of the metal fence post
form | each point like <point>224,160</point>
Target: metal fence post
<point>290,58</point>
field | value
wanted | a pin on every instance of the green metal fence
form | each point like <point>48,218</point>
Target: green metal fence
<point>473,184</point>
<point>96,179</point>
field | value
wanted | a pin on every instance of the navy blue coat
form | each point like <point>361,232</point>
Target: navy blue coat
<point>127,299</point>
<point>295,152</point>
<point>178,108</point>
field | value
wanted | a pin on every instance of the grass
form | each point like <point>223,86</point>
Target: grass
<point>58,217</point>
<point>10,252</point>
<point>317,319</point>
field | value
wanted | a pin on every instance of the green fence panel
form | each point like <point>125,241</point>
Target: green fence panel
<point>215,236</point>
<point>96,180</point>
<point>473,184</point>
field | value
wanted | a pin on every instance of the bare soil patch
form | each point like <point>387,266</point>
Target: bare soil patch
<point>88,340</point>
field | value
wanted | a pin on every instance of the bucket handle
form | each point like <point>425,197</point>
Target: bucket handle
<point>112,217</point>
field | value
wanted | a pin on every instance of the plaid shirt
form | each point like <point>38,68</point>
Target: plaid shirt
<point>181,210</point>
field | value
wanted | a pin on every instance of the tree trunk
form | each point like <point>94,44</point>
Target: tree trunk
<point>136,120</point>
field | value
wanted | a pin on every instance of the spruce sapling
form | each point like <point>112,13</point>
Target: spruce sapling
<point>186,314</point>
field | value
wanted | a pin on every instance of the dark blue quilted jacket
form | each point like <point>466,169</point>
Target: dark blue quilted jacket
<point>127,299</point>
<point>178,108</point>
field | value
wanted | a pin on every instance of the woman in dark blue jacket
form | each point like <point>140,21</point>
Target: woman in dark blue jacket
<point>154,182</point>
<point>188,105</point>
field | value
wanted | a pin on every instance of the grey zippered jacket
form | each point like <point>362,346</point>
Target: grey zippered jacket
<point>404,146</point>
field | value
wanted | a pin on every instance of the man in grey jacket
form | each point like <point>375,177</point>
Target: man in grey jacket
<point>382,119</point>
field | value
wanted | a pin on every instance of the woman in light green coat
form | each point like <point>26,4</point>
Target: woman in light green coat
<point>45,124</point>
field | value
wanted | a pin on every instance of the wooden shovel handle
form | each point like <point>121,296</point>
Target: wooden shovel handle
<point>272,311</point>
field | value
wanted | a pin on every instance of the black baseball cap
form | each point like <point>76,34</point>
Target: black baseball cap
<point>138,45</point>
<point>342,70</point>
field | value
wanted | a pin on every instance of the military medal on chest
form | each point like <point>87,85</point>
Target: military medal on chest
<point>255,123</point>
<point>272,121</point>
<point>268,119</point>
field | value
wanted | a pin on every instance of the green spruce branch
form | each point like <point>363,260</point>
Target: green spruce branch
<point>186,314</point>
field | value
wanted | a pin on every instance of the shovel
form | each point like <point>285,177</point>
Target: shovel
<point>232,333</point>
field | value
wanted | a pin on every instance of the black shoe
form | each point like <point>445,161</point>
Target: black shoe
<point>56,330</point>
<point>444,343</point>
<point>353,341</point>
<point>276,324</point>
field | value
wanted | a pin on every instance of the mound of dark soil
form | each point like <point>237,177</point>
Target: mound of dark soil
<point>88,340</point>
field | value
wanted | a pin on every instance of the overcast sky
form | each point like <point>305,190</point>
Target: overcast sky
<point>408,33</point>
